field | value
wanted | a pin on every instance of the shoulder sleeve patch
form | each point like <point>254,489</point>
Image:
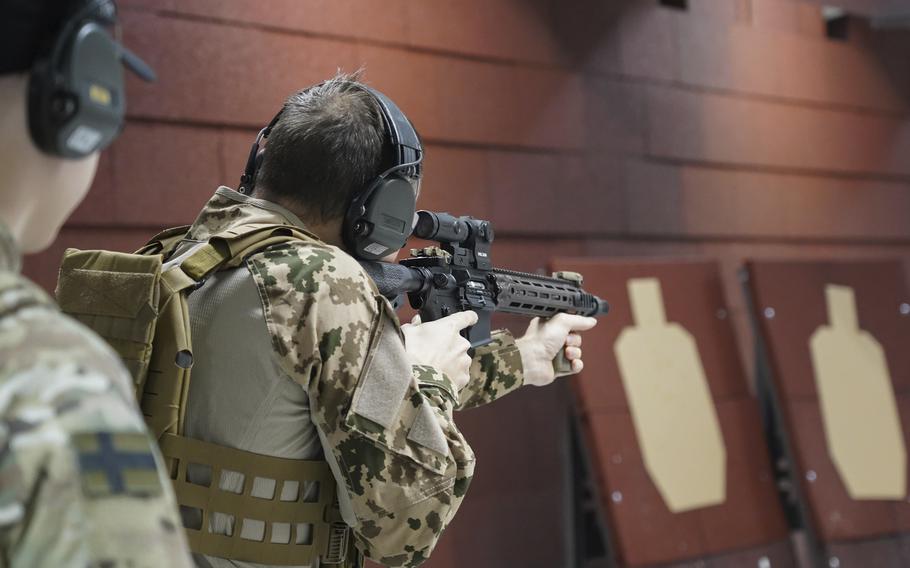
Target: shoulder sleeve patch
<point>116,463</point>
<point>385,382</point>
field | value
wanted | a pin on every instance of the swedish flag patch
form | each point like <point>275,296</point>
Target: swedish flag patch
<point>116,463</point>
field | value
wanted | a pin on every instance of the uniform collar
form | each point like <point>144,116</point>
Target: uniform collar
<point>285,213</point>
<point>228,209</point>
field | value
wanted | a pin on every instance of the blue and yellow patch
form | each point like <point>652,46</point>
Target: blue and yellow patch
<point>117,463</point>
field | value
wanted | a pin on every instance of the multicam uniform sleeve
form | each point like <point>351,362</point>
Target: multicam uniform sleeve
<point>496,371</point>
<point>387,426</point>
<point>81,483</point>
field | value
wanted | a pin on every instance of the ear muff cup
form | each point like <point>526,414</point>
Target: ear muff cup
<point>41,89</point>
<point>379,221</point>
<point>76,102</point>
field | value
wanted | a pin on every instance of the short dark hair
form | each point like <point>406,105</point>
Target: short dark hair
<point>29,28</point>
<point>326,147</point>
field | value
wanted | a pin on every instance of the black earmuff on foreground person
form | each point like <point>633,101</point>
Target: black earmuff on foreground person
<point>379,219</point>
<point>76,93</point>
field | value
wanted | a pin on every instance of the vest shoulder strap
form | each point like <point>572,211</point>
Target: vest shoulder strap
<point>228,248</point>
<point>164,242</point>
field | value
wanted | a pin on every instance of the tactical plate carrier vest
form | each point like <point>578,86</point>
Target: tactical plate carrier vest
<point>138,303</point>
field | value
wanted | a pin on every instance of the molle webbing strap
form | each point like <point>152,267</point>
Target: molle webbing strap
<point>228,248</point>
<point>328,535</point>
<point>205,259</point>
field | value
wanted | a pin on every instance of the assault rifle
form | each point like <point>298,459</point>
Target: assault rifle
<point>458,275</point>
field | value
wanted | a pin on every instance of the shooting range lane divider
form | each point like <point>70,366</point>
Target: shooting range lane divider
<point>662,369</point>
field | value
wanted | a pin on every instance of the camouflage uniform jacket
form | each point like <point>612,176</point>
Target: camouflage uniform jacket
<point>80,482</point>
<point>384,426</point>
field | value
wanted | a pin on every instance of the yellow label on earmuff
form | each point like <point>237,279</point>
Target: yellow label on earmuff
<point>99,95</point>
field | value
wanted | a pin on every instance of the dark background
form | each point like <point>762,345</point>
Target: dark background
<point>580,127</point>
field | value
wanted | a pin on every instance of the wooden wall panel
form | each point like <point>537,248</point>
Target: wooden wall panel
<point>795,65</point>
<point>778,555</point>
<point>520,475</point>
<point>470,28</point>
<point>99,200</point>
<point>483,102</point>
<point>670,199</point>
<point>344,18</point>
<point>539,194</point>
<point>795,18</point>
<point>721,129</point>
<point>475,27</point>
<point>645,533</point>
<point>768,48</point>
<point>155,175</point>
<point>616,116</point>
<point>881,553</point>
<point>648,41</point>
<point>866,7</point>
<point>166,184</point>
<point>201,69</point>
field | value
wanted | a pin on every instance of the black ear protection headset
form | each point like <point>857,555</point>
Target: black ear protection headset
<point>380,218</point>
<point>76,95</point>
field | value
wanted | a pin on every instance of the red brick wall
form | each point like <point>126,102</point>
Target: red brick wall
<point>580,127</point>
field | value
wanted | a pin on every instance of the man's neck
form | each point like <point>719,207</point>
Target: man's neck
<point>17,211</point>
<point>327,231</point>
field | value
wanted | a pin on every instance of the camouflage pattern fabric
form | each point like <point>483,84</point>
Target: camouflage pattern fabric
<point>80,482</point>
<point>495,371</point>
<point>405,465</point>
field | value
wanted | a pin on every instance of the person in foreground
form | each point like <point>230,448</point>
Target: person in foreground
<point>299,360</point>
<point>80,483</point>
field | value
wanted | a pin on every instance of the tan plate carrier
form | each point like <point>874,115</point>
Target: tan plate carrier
<point>137,302</point>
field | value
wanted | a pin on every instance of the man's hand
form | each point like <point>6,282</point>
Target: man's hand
<point>542,342</point>
<point>438,344</point>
